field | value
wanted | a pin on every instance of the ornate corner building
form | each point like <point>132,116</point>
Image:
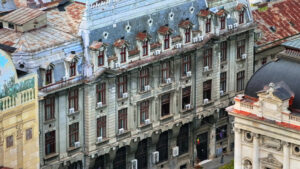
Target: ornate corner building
<point>266,117</point>
<point>19,123</point>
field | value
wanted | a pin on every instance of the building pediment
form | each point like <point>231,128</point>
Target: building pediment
<point>271,161</point>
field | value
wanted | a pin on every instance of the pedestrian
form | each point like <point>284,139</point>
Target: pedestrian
<point>222,158</point>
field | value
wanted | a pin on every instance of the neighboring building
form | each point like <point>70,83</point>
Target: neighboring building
<point>19,124</point>
<point>267,123</point>
<point>47,43</point>
<point>277,22</point>
<point>6,6</point>
<point>159,75</point>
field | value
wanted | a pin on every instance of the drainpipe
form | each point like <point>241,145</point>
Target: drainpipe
<point>195,108</point>
<point>83,119</point>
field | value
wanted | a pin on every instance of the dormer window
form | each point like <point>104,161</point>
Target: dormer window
<point>187,35</point>
<point>167,41</point>
<point>145,48</point>
<point>123,55</point>
<point>48,79</point>
<point>101,58</point>
<point>222,20</point>
<point>241,17</point>
<point>73,69</point>
<point>208,25</point>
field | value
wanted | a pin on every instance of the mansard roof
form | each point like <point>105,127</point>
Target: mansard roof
<point>284,70</point>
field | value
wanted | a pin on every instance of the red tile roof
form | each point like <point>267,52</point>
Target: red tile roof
<point>204,13</point>
<point>133,52</point>
<point>185,24</point>
<point>22,15</point>
<point>284,16</point>
<point>119,43</point>
<point>164,30</point>
<point>142,36</point>
<point>97,45</point>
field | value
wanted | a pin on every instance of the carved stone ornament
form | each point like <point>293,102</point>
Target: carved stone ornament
<point>19,131</point>
<point>272,143</point>
<point>270,162</point>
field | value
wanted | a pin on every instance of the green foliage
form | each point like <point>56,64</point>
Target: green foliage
<point>228,166</point>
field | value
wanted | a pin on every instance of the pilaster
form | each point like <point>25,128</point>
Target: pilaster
<point>286,155</point>
<point>238,148</point>
<point>255,151</point>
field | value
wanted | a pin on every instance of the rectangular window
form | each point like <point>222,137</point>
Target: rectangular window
<point>207,90</point>
<point>123,55</point>
<point>144,78</point>
<point>72,69</point>
<point>49,108</point>
<point>223,19</point>
<point>162,146</point>
<point>101,93</point>
<point>101,127</point>
<point>48,76</point>
<point>223,81</point>
<point>221,132</point>
<point>144,111</point>
<point>141,154</point>
<point>208,25</point>
<point>165,105</point>
<point>165,70</point>
<point>73,99</point>
<point>122,85</point>
<point>145,48</point>
<point>101,58</point>
<point>167,41</point>
<point>73,134</point>
<point>186,96</point>
<point>123,119</point>
<point>29,134</point>
<point>9,141</point>
<point>240,48</point>
<point>186,65</point>
<point>50,142</point>
<point>223,51</point>
<point>11,26</point>
<point>240,80</point>
<point>187,35</point>
<point>208,58</point>
<point>183,139</point>
<point>241,17</point>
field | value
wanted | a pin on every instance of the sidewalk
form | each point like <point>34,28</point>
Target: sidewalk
<point>215,163</point>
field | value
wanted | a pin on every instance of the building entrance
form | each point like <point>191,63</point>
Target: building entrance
<point>201,142</point>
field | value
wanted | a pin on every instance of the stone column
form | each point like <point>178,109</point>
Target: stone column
<point>286,155</point>
<point>237,148</point>
<point>212,144</point>
<point>255,151</point>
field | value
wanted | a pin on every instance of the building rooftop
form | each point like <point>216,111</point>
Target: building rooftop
<point>22,15</point>
<point>295,44</point>
<point>9,5</point>
<point>62,27</point>
<point>277,22</point>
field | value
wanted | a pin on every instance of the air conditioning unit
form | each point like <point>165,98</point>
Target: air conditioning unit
<point>200,38</point>
<point>99,139</point>
<point>187,106</point>
<point>99,104</point>
<point>206,68</point>
<point>147,87</point>
<point>189,74</point>
<point>71,111</point>
<point>195,39</point>
<point>230,27</point>
<point>235,25</point>
<point>244,56</point>
<point>178,45</point>
<point>147,121</point>
<point>134,164</point>
<point>77,144</point>
<point>155,157</point>
<point>117,65</point>
<point>205,101</point>
<point>169,80</point>
<point>157,52</point>
<point>125,95</point>
<point>221,92</point>
<point>121,130</point>
<point>175,151</point>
